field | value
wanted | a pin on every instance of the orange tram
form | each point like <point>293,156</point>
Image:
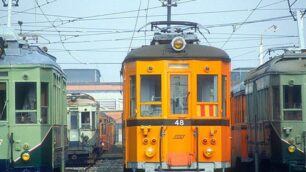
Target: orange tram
<point>107,132</point>
<point>239,150</point>
<point>176,105</point>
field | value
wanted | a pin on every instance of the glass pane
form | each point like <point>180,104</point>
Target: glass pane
<point>74,121</point>
<point>207,88</point>
<point>276,102</point>
<point>150,110</point>
<point>3,102</point>
<point>179,94</point>
<point>25,96</point>
<point>85,120</point>
<point>26,118</point>
<point>150,89</point>
<point>293,115</point>
<point>292,97</point>
<point>224,83</point>
<point>93,114</point>
<point>132,96</point>
<point>44,103</point>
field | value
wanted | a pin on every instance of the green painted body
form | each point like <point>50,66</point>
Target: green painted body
<point>46,140</point>
<point>276,110</point>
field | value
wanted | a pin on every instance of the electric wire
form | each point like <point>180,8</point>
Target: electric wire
<point>60,37</point>
<point>135,26</point>
<point>239,26</point>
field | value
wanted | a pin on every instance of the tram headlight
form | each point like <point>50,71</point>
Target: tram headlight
<point>291,149</point>
<point>150,152</point>
<point>208,152</point>
<point>178,43</point>
<point>25,156</point>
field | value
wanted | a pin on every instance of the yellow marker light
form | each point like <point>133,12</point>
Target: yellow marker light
<point>25,156</point>
<point>149,152</point>
<point>291,149</point>
<point>178,43</point>
<point>208,152</point>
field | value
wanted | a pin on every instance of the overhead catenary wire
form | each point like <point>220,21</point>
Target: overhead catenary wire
<point>241,24</point>
<point>135,26</point>
<point>60,37</point>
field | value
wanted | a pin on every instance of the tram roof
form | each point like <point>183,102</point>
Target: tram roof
<point>165,52</point>
<point>18,54</point>
<point>287,63</point>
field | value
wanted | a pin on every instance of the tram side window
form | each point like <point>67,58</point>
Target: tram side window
<point>3,102</point>
<point>132,96</point>
<point>224,101</point>
<point>150,95</point>
<point>276,103</point>
<point>85,120</point>
<point>179,94</point>
<point>93,120</point>
<point>207,88</point>
<point>44,103</point>
<point>292,102</point>
<point>25,102</point>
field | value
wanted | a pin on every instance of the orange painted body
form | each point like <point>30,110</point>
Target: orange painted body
<point>107,132</point>
<point>172,139</point>
<point>239,128</point>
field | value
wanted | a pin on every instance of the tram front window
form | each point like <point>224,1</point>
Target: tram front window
<point>25,102</point>
<point>85,120</point>
<point>207,88</point>
<point>179,94</point>
<point>44,103</point>
<point>150,95</point>
<point>3,102</point>
<point>292,102</point>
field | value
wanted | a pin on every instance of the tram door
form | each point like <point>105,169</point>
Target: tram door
<point>4,136</point>
<point>74,127</point>
<point>180,134</point>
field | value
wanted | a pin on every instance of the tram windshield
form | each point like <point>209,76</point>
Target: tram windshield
<point>85,120</point>
<point>150,95</point>
<point>3,102</point>
<point>292,102</point>
<point>25,102</point>
<point>179,94</point>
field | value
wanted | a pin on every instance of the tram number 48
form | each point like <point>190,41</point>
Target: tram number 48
<point>179,122</point>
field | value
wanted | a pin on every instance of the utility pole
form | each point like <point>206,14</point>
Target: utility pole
<point>169,4</point>
<point>261,47</point>
<point>9,6</point>
<point>300,22</point>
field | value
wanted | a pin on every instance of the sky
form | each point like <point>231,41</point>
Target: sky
<point>98,34</point>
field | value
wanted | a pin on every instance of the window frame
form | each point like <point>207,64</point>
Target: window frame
<point>153,103</point>
<point>189,110</point>
<point>35,110</point>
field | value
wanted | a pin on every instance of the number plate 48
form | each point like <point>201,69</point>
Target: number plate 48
<point>179,122</point>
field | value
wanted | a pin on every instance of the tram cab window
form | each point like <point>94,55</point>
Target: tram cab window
<point>85,120</point>
<point>44,103</point>
<point>93,119</point>
<point>292,102</point>
<point>25,102</point>
<point>150,95</point>
<point>179,94</point>
<point>3,101</point>
<point>207,88</point>
<point>132,96</point>
<point>74,120</point>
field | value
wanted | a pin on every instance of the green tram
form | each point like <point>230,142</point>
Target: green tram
<point>32,109</point>
<point>276,113</point>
